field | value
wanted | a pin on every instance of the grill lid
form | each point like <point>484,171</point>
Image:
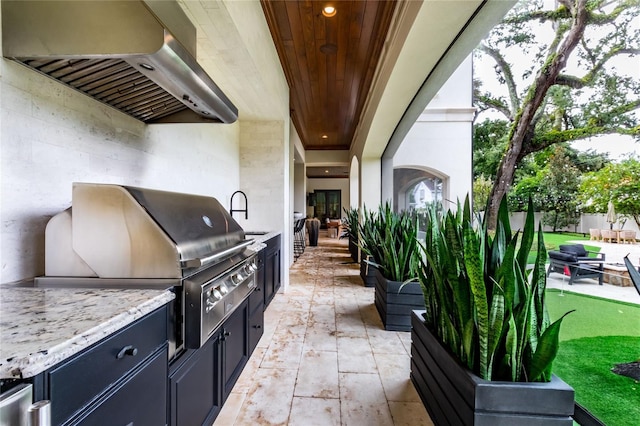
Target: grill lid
<point>129,232</point>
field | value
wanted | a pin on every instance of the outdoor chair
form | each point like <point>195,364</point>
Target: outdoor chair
<point>608,235</point>
<point>594,234</point>
<point>628,236</point>
<point>574,260</point>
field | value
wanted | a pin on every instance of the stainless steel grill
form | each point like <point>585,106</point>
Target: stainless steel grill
<point>128,237</point>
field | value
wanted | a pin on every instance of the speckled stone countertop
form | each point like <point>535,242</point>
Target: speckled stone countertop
<point>40,327</point>
<point>259,242</point>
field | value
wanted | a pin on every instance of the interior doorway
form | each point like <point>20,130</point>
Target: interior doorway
<point>328,205</point>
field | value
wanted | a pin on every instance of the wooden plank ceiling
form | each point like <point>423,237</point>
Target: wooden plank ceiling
<point>329,63</point>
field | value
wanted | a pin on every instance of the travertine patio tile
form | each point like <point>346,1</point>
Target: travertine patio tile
<point>355,356</point>
<point>362,400</point>
<point>269,401</point>
<point>321,337</point>
<point>314,412</point>
<point>318,375</point>
<point>385,342</point>
<point>394,373</point>
<point>409,414</point>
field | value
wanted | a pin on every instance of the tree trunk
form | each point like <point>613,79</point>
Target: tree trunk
<point>522,129</point>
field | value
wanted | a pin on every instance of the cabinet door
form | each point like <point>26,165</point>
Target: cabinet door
<point>276,272</point>
<point>140,400</point>
<point>268,278</point>
<point>256,324</point>
<point>235,347</point>
<point>195,387</point>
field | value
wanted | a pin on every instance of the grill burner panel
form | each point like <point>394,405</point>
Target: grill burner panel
<point>209,301</point>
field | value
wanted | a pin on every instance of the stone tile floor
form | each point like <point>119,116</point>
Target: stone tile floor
<point>325,358</point>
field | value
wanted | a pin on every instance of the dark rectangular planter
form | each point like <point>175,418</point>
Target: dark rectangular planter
<point>367,273</point>
<point>454,395</point>
<point>353,248</point>
<point>395,304</point>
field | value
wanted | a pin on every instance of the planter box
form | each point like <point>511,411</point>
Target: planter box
<point>395,305</point>
<point>353,248</point>
<point>454,395</point>
<point>368,273</point>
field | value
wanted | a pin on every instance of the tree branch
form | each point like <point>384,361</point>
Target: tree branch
<point>493,103</point>
<point>508,77</point>
<point>579,82</point>
<point>544,140</point>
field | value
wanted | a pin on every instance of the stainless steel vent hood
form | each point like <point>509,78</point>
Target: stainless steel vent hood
<point>137,56</point>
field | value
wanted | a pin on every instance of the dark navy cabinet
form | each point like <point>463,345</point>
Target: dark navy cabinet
<point>272,268</point>
<point>127,370</point>
<point>195,386</point>
<point>201,380</point>
<point>234,339</point>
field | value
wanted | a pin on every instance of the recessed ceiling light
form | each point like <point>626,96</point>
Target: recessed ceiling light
<point>329,11</point>
<point>324,136</point>
<point>326,171</point>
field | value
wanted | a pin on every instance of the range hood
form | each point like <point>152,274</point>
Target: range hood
<point>137,56</point>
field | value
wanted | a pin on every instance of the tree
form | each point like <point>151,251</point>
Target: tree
<point>618,182</point>
<point>546,101</point>
<point>558,191</point>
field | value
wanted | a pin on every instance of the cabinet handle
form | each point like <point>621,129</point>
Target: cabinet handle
<point>127,350</point>
<point>257,326</point>
<point>227,333</point>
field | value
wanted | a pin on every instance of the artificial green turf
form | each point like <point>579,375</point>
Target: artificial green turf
<point>586,363</point>
<point>598,335</point>
<point>593,316</point>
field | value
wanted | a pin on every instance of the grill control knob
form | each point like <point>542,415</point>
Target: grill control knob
<point>237,278</point>
<point>216,295</point>
<point>223,289</point>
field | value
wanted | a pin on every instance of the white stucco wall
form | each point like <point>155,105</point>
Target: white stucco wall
<point>441,139</point>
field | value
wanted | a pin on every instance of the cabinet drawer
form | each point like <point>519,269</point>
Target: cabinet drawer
<point>78,381</point>
<point>140,400</point>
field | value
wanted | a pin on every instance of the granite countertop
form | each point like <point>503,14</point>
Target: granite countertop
<point>259,240</point>
<point>40,327</point>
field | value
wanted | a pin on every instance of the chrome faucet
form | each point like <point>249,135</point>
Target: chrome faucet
<point>246,205</point>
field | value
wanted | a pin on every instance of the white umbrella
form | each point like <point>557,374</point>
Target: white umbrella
<point>611,215</point>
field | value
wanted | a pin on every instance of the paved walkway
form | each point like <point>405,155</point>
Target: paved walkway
<point>614,253</point>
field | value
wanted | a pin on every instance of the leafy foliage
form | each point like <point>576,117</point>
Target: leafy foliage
<point>390,239</point>
<point>618,182</point>
<point>482,301</point>
<point>558,192</point>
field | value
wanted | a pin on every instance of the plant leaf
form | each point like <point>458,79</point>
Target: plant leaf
<point>546,352</point>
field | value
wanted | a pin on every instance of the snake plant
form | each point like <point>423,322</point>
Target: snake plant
<point>482,300</point>
<point>390,239</point>
<point>350,222</point>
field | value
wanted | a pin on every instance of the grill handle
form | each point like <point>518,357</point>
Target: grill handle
<point>204,261</point>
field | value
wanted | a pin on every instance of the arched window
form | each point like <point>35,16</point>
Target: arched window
<point>416,189</point>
